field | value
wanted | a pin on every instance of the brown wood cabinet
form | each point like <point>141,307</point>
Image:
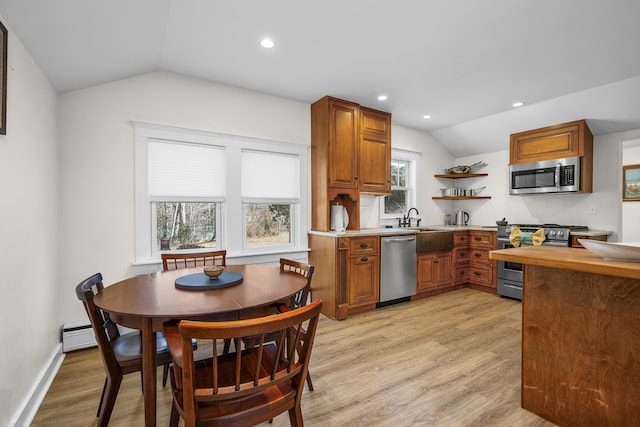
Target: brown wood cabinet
<point>347,273</point>
<point>363,271</point>
<point>434,270</point>
<point>375,152</point>
<point>572,139</point>
<point>575,237</point>
<point>471,259</point>
<point>350,154</point>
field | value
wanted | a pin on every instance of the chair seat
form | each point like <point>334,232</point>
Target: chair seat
<point>128,347</point>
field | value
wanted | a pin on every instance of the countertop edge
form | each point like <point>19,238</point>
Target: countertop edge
<point>576,259</point>
<point>400,230</point>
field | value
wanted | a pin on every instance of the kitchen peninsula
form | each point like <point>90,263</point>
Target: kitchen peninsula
<point>580,336</point>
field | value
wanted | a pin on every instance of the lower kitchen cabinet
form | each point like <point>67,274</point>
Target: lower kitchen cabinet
<point>363,271</point>
<point>471,262</point>
<point>347,273</point>
<point>575,236</point>
<point>434,270</point>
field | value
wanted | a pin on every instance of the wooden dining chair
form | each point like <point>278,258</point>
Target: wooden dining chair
<point>174,261</point>
<point>121,354</point>
<point>249,386</point>
<point>298,300</point>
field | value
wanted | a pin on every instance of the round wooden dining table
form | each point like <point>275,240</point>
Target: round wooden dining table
<point>147,301</point>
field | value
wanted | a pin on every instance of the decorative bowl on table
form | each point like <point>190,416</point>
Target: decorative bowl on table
<point>213,271</point>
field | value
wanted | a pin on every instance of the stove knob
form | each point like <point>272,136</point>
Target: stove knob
<point>560,233</point>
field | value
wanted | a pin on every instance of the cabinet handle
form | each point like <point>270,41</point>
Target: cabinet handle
<point>363,245</point>
<point>478,254</point>
<point>435,261</point>
<point>365,259</point>
<point>461,238</point>
<point>477,273</point>
<point>462,273</point>
<point>478,238</point>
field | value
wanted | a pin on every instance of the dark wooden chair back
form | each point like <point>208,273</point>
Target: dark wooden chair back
<point>121,354</point>
<point>174,261</point>
<point>249,386</point>
<point>306,270</point>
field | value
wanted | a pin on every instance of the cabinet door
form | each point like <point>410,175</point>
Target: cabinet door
<point>343,145</point>
<point>434,270</point>
<point>375,152</point>
<point>553,142</point>
<point>363,280</point>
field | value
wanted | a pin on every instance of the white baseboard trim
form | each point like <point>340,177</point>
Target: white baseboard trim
<point>33,400</point>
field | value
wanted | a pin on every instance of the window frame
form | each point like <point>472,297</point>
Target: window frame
<point>230,216</point>
<point>412,158</point>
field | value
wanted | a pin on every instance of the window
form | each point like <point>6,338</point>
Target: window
<point>270,193</point>
<point>404,172</point>
<point>398,202</point>
<point>185,194</point>
<point>204,190</point>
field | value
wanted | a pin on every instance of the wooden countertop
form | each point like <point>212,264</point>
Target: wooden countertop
<point>576,259</point>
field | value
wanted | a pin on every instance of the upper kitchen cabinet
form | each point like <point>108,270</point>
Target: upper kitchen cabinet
<point>375,152</point>
<point>572,139</point>
<point>350,154</point>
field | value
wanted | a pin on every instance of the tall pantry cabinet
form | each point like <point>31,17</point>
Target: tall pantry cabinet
<point>350,154</point>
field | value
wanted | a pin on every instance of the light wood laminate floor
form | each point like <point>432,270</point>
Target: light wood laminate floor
<point>449,360</point>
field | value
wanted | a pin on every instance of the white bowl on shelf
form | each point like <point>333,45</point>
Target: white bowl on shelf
<point>611,250</point>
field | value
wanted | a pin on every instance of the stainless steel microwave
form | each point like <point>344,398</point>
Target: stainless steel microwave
<point>548,176</point>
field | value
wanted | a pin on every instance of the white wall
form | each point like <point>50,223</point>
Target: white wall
<point>29,309</point>
<point>433,158</point>
<point>96,160</point>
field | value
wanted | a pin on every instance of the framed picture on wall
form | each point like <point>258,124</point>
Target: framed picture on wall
<point>3,79</point>
<point>631,183</point>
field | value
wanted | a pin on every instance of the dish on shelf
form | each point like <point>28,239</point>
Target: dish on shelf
<point>615,251</point>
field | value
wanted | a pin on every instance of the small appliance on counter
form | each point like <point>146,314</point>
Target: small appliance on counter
<point>462,218</point>
<point>447,219</point>
<point>339,218</point>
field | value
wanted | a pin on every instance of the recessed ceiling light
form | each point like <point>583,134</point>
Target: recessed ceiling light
<point>518,104</point>
<point>426,116</point>
<point>382,98</point>
<point>267,43</point>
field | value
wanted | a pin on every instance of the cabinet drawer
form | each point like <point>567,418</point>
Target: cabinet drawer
<point>461,255</point>
<point>479,256</point>
<point>482,239</point>
<point>364,246</point>
<point>460,238</point>
<point>461,274</point>
<point>481,275</point>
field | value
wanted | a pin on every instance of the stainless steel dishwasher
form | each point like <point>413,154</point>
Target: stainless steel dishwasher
<point>398,268</point>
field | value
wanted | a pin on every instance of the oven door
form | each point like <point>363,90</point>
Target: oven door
<point>508,270</point>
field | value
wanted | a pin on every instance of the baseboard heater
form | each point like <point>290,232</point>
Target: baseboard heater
<point>77,335</point>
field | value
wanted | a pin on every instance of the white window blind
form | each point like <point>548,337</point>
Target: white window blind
<point>267,175</point>
<point>182,171</point>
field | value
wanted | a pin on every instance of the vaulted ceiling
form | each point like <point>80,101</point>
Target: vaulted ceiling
<point>463,62</point>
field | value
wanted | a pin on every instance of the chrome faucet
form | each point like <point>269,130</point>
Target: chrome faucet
<point>405,221</point>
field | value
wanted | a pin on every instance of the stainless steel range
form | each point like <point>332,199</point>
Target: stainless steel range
<point>510,273</point>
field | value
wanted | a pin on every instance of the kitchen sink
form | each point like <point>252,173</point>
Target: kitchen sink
<point>434,241</point>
